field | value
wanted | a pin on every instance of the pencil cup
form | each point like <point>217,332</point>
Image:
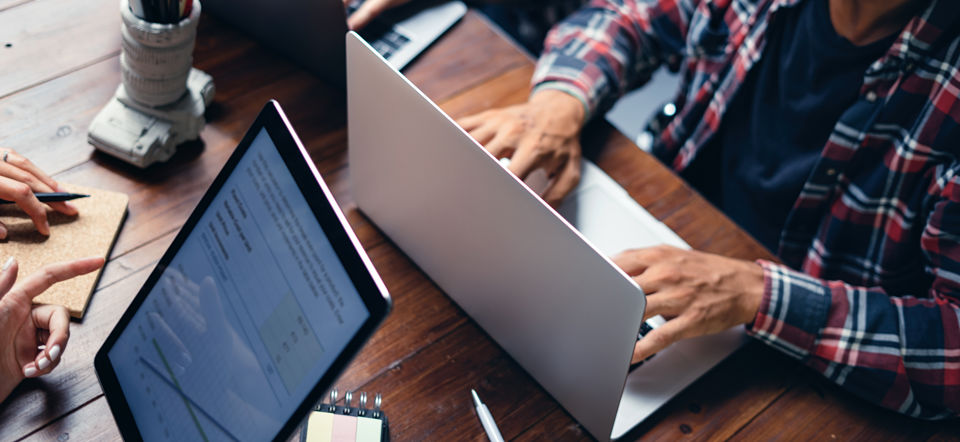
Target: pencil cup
<point>156,58</point>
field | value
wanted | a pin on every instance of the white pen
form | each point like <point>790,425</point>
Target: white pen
<point>493,433</point>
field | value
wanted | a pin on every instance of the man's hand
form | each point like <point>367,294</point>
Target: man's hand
<point>19,179</point>
<point>700,293</point>
<point>369,10</point>
<point>541,133</point>
<point>24,326</point>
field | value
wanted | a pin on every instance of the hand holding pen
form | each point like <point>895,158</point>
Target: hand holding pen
<point>19,180</point>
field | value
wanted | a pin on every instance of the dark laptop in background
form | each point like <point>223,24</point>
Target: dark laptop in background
<point>311,32</point>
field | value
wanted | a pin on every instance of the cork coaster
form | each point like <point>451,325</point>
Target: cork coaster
<point>91,233</point>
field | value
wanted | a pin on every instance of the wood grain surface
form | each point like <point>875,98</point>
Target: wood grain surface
<point>61,68</point>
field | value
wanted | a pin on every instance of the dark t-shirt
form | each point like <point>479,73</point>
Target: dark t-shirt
<point>772,135</point>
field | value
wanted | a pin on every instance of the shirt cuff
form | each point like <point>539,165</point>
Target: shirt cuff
<point>572,75</point>
<point>568,89</point>
<point>793,311</point>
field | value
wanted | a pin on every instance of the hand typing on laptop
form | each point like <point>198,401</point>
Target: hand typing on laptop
<point>699,293</point>
<point>24,326</point>
<point>19,180</point>
<point>543,133</point>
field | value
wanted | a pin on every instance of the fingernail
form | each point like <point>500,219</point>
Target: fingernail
<point>54,352</point>
<point>30,372</point>
<point>70,205</point>
<point>43,363</point>
<point>46,224</point>
<point>7,264</point>
<point>3,232</point>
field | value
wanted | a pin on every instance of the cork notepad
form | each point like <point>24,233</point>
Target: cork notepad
<point>91,233</point>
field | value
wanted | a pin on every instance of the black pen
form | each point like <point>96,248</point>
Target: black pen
<point>52,197</point>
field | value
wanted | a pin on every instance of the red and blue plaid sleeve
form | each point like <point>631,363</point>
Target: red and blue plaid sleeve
<point>899,350</point>
<point>610,46</point>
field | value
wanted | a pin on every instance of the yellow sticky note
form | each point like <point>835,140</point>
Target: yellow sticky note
<point>320,427</point>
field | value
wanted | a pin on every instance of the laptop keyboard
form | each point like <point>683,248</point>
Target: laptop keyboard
<point>645,328</point>
<point>381,35</point>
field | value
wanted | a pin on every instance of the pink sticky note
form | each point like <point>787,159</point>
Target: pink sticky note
<point>344,428</point>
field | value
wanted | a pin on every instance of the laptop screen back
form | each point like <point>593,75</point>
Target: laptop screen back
<point>306,31</point>
<point>250,312</point>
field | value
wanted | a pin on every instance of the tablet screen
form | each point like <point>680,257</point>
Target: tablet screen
<point>248,315</point>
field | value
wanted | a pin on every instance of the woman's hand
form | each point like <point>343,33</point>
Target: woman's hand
<point>19,180</point>
<point>24,326</point>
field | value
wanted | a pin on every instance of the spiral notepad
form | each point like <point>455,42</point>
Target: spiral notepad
<point>346,423</point>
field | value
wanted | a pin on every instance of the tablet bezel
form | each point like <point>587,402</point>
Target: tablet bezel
<point>348,249</point>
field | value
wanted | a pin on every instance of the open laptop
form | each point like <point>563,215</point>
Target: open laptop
<point>263,298</point>
<point>538,281</point>
<point>311,32</point>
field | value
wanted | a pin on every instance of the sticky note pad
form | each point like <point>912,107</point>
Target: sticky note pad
<point>320,427</point>
<point>336,423</point>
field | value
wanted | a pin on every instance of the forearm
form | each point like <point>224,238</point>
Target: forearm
<point>610,46</point>
<point>902,353</point>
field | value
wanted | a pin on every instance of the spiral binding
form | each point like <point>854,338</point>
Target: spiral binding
<point>361,410</point>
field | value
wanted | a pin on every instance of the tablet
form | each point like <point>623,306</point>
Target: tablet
<point>261,301</point>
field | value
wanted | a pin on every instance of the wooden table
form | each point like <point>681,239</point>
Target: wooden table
<point>59,66</point>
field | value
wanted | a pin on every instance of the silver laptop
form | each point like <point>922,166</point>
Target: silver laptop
<point>310,32</point>
<point>538,281</point>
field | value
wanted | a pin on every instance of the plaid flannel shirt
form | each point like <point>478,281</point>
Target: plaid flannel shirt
<point>870,291</point>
